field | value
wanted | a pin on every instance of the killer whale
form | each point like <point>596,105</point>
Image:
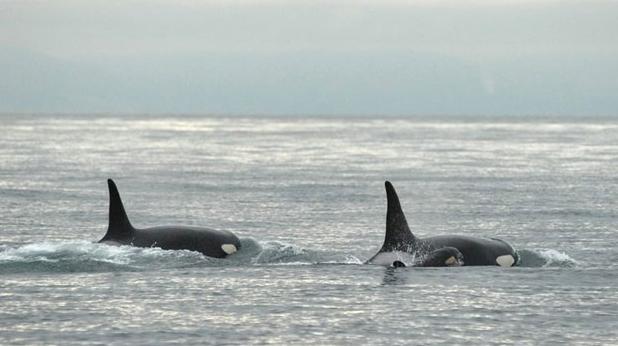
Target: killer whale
<point>210,242</point>
<point>401,245</point>
<point>443,257</point>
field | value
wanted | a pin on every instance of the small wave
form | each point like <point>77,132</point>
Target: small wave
<point>545,258</point>
<point>277,252</point>
<point>280,253</point>
<point>83,256</point>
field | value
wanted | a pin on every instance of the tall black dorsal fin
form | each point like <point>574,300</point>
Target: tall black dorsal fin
<point>398,234</point>
<point>119,225</point>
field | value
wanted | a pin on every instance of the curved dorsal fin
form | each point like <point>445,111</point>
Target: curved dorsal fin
<point>119,226</point>
<point>398,234</point>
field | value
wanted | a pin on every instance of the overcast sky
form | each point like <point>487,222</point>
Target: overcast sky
<point>310,57</point>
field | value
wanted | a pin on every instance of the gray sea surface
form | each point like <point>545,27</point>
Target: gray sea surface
<point>306,197</point>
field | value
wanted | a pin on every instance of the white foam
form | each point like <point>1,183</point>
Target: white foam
<point>350,259</point>
<point>276,252</point>
<point>54,252</point>
<point>277,264</point>
<point>387,258</point>
<point>553,256</point>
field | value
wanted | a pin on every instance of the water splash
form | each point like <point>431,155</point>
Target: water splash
<point>82,256</point>
<point>280,253</point>
<point>546,258</point>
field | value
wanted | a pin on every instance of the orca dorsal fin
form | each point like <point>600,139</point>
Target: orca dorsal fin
<point>398,234</point>
<point>119,225</point>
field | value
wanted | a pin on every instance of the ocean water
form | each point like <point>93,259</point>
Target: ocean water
<point>306,197</point>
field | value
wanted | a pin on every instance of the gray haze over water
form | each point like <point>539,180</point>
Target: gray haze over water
<point>306,197</point>
<point>310,57</point>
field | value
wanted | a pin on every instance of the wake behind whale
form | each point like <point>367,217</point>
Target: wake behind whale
<point>87,257</point>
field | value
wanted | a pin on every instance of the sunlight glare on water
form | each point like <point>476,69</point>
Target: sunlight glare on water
<point>306,197</point>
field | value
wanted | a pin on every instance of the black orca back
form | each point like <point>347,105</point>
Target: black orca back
<point>475,251</point>
<point>210,242</point>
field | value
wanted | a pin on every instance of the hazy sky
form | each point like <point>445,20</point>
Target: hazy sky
<point>310,57</point>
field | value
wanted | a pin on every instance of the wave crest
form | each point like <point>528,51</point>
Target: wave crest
<point>545,258</point>
<point>83,256</point>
